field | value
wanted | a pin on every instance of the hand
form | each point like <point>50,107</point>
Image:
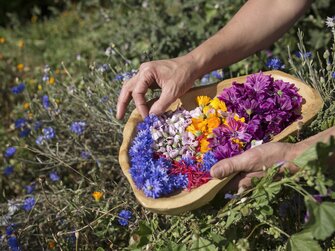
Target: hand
<point>174,77</point>
<point>253,163</point>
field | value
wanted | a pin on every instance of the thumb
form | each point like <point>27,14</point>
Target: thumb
<point>161,104</point>
<point>224,168</point>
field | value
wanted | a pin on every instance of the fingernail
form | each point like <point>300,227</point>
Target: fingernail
<point>218,173</point>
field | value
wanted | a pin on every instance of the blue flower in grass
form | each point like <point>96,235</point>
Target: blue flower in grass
<point>29,203</point>
<point>18,88</point>
<point>124,217</point>
<point>10,151</point>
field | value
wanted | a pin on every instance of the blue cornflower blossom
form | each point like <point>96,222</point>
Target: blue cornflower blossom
<point>300,54</point>
<point>30,188</point>
<point>49,133</point>
<point>219,74</point>
<point>209,160</point>
<point>78,127</point>
<point>8,170</point>
<point>152,188</point>
<point>24,133</point>
<point>18,88</point>
<point>13,243</point>
<point>85,155</point>
<point>118,77</point>
<point>10,229</point>
<point>333,75</point>
<point>204,80</point>
<point>124,216</point>
<point>54,176</point>
<point>28,203</point>
<point>274,64</point>
<point>39,140</point>
<point>10,151</point>
<point>20,123</point>
<point>45,102</point>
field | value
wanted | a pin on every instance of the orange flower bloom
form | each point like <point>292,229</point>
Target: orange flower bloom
<point>204,145</point>
<point>51,244</point>
<point>26,105</point>
<point>2,40</point>
<point>20,67</point>
<point>213,123</point>
<point>97,195</point>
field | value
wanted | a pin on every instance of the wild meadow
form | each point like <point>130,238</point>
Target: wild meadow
<point>61,187</point>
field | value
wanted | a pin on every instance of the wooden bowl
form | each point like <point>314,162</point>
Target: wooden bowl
<point>186,201</point>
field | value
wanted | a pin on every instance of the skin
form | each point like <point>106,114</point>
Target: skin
<point>235,41</point>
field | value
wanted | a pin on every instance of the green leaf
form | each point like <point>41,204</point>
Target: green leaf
<point>217,239</point>
<point>203,244</point>
<point>174,246</point>
<point>100,249</point>
<point>303,241</point>
<point>322,221</point>
<point>144,229</point>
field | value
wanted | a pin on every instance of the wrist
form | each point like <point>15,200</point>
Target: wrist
<point>195,64</point>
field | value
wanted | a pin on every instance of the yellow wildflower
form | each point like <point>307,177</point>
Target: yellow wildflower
<point>20,67</point>
<point>39,87</point>
<point>51,80</point>
<point>30,115</point>
<point>204,145</point>
<point>216,103</point>
<point>26,105</point>
<point>237,118</point>
<point>2,40</point>
<point>20,43</point>
<point>191,128</point>
<point>97,195</point>
<point>203,100</point>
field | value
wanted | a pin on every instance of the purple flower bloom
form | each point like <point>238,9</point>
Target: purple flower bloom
<point>29,203</point>
<point>300,54</point>
<point>30,188</point>
<point>274,64</point>
<point>24,133</point>
<point>39,140</point>
<point>49,133</point>
<point>18,89</point>
<point>13,243</point>
<point>85,155</point>
<point>10,151</point>
<point>20,123</point>
<point>54,176</point>
<point>45,102</point>
<point>219,74</point>
<point>10,229</point>
<point>78,127</point>
<point>124,217</point>
<point>8,170</point>
<point>204,80</point>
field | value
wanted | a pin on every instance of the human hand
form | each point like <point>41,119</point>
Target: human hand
<point>253,163</point>
<point>174,76</point>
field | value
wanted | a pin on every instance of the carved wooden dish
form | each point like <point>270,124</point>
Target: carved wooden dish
<point>189,200</point>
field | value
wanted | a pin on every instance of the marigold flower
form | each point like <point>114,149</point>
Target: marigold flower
<point>203,100</point>
<point>204,145</point>
<point>52,81</point>
<point>2,40</point>
<point>20,67</point>
<point>26,105</point>
<point>97,195</point>
<point>216,103</point>
<point>213,122</point>
<point>20,43</point>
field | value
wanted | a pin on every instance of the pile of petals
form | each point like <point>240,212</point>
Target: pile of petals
<point>176,150</point>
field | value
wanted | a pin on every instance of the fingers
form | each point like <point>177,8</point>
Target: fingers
<point>161,105</point>
<point>242,162</point>
<point>124,99</point>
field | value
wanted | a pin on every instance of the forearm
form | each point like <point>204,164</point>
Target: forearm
<point>254,27</point>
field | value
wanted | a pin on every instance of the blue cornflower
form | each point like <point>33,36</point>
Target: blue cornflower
<point>333,75</point>
<point>219,74</point>
<point>39,140</point>
<point>85,155</point>
<point>24,133</point>
<point>10,229</point>
<point>8,170</point>
<point>28,203</point>
<point>10,151</point>
<point>274,64</point>
<point>18,88</point>
<point>54,176</point>
<point>124,216</point>
<point>45,102</point>
<point>20,123</point>
<point>37,125</point>
<point>152,188</point>
<point>300,54</point>
<point>118,77</point>
<point>209,160</point>
<point>204,80</point>
<point>13,243</point>
<point>78,127</point>
<point>30,188</point>
<point>49,133</point>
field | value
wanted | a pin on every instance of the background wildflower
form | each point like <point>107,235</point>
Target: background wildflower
<point>54,176</point>
<point>28,203</point>
<point>10,151</point>
<point>18,89</point>
<point>78,127</point>
<point>124,217</point>
<point>97,195</point>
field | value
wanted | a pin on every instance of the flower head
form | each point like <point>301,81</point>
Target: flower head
<point>54,176</point>
<point>18,89</point>
<point>29,203</point>
<point>274,64</point>
<point>21,122</point>
<point>8,170</point>
<point>203,100</point>
<point>49,133</point>
<point>10,151</point>
<point>45,102</point>
<point>124,217</point>
<point>78,127</point>
<point>97,195</point>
